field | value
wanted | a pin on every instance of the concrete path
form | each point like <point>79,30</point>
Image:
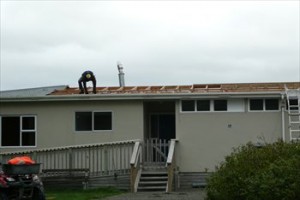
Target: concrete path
<point>198,194</point>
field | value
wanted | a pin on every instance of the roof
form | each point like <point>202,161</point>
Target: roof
<point>183,89</point>
<point>31,92</point>
<point>234,90</point>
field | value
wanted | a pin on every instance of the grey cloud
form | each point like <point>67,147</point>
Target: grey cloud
<point>157,42</point>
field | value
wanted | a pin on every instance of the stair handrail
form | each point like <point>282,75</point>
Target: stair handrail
<point>171,165</point>
<point>135,162</point>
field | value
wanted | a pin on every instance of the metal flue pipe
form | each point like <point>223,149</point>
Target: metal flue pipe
<point>121,75</point>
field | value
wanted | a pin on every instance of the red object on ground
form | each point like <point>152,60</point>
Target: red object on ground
<point>22,160</point>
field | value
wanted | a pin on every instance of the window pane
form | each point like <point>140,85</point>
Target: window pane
<point>28,123</point>
<point>28,139</point>
<point>220,105</point>
<point>203,105</point>
<point>272,104</point>
<point>188,105</point>
<point>102,121</point>
<point>256,104</point>
<point>10,131</point>
<point>83,121</point>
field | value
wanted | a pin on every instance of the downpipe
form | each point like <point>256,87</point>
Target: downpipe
<point>283,117</point>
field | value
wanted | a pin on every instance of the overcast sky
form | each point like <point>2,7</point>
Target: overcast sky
<point>46,43</point>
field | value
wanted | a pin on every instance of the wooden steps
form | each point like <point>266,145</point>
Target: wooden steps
<point>153,180</point>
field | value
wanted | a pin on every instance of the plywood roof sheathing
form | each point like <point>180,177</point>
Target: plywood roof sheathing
<point>185,89</point>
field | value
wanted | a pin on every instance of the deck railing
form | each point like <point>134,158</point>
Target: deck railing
<point>135,163</point>
<point>171,165</point>
<point>155,151</point>
<point>102,159</point>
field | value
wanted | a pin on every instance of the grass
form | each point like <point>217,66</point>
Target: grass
<point>72,194</point>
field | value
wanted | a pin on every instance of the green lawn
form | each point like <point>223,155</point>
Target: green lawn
<point>92,194</point>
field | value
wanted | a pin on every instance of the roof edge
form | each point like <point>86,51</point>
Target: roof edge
<point>36,88</point>
<point>100,97</point>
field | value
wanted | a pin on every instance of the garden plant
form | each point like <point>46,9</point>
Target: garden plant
<point>268,172</point>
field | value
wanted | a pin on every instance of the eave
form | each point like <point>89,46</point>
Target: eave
<point>119,97</point>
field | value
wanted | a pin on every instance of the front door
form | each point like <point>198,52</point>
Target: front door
<point>162,126</point>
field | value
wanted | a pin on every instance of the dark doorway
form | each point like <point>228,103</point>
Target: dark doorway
<point>162,126</point>
<point>160,122</point>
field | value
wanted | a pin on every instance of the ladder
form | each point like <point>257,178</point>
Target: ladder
<point>293,108</point>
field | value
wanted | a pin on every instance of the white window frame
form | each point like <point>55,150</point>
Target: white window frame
<point>203,111</point>
<point>230,103</point>
<point>102,111</point>
<point>195,106</point>
<point>93,121</point>
<point>213,105</point>
<point>21,131</point>
<point>264,105</point>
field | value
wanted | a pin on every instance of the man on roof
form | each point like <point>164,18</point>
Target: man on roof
<point>86,77</point>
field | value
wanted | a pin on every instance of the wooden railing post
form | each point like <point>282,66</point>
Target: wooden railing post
<point>135,171</point>
<point>105,160</point>
<point>171,165</point>
<point>70,152</point>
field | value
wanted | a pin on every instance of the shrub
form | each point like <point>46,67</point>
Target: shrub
<point>250,173</point>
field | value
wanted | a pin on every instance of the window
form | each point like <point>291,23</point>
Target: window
<point>93,121</point>
<point>188,105</point>
<point>102,121</point>
<point>28,131</point>
<point>272,104</point>
<point>83,121</point>
<point>264,104</point>
<point>203,105</point>
<point>220,105</point>
<point>210,105</point>
<point>18,131</point>
<point>256,104</point>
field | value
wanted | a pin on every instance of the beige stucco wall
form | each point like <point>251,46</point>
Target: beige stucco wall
<point>56,121</point>
<point>203,138</point>
<point>206,138</point>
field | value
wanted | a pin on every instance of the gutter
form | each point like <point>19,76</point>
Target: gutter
<point>283,117</point>
<point>144,96</point>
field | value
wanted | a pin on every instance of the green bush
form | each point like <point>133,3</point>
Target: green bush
<point>270,172</point>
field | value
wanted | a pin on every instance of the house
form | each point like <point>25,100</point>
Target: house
<point>207,120</point>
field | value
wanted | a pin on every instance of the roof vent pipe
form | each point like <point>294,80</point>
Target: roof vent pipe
<point>121,75</point>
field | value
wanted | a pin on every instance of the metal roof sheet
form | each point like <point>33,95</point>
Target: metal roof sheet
<point>31,92</point>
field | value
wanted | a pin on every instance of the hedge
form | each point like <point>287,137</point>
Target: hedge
<point>270,172</point>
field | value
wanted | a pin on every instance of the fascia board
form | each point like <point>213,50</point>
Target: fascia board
<point>99,97</point>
